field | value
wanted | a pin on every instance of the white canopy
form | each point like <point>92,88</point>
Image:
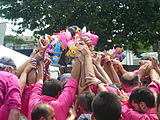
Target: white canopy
<point>19,59</point>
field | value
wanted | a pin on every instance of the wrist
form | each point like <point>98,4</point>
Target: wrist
<point>98,83</point>
<point>88,55</point>
<point>98,65</point>
<point>156,67</point>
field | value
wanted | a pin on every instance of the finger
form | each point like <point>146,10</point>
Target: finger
<point>88,82</point>
<point>122,92</point>
<point>118,92</point>
<point>88,78</point>
<point>91,74</point>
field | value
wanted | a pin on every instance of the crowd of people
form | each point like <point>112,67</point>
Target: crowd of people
<point>98,88</point>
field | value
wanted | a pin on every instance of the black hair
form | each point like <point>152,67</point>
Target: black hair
<point>143,94</point>
<point>158,100</point>
<point>39,111</point>
<point>130,81</point>
<point>51,87</point>
<point>85,100</point>
<point>106,106</point>
<point>73,29</point>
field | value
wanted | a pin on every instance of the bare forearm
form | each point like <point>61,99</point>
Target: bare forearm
<point>108,71</point>
<point>104,74</point>
<point>101,87</point>
<point>115,76</point>
<point>21,68</point>
<point>154,75</point>
<point>158,70</point>
<point>75,73</point>
<point>23,79</point>
<point>88,66</point>
<point>98,75</point>
<point>14,114</point>
<point>82,82</point>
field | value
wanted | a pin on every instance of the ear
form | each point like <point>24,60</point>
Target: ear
<point>58,94</point>
<point>42,118</point>
<point>143,105</point>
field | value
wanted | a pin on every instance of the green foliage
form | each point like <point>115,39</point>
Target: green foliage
<point>133,24</point>
<point>14,40</point>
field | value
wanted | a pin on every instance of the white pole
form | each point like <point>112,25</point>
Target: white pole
<point>2,32</point>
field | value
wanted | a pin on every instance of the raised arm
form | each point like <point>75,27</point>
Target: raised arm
<point>155,64</point>
<point>97,62</point>
<point>14,114</point>
<point>92,80</point>
<point>23,77</point>
<point>113,74</point>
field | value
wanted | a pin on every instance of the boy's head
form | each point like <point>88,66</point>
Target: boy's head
<point>129,79</point>
<point>85,100</point>
<point>7,64</point>
<point>52,88</point>
<point>142,99</point>
<point>106,106</point>
<point>43,111</point>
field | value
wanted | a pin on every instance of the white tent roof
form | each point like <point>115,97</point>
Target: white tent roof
<point>18,58</point>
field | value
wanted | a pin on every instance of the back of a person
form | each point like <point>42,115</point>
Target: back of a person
<point>10,94</point>
<point>8,80</point>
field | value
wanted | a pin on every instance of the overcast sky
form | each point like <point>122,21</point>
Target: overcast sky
<point>14,27</point>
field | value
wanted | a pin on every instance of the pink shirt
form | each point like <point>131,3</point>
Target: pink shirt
<point>10,94</point>
<point>154,87</point>
<point>130,114</point>
<point>61,105</point>
<point>25,99</point>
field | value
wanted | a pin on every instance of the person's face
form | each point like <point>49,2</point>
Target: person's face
<point>51,115</point>
<point>10,69</point>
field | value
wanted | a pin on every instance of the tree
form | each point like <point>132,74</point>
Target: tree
<point>14,40</point>
<point>133,24</point>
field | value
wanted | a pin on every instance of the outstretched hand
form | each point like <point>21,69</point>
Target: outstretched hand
<point>83,48</point>
<point>31,65</point>
<point>41,46</point>
<point>122,95</point>
<point>97,59</point>
<point>154,61</point>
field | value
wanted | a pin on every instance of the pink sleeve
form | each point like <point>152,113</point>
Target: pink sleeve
<point>34,97</point>
<point>130,114</point>
<point>36,93</point>
<point>4,112</point>
<point>154,87</point>
<point>111,89</point>
<point>68,94</point>
<point>25,98</point>
<point>13,94</point>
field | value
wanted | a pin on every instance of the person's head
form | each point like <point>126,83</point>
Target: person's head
<point>52,88</point>
<point>142,99</point>
<point>64,78</point>
<point>85,101</point>
<point>106,106</point>
<point>43,111</point>
<point>129,79</point>
<point>158,105</point>
<point>7,64</point>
